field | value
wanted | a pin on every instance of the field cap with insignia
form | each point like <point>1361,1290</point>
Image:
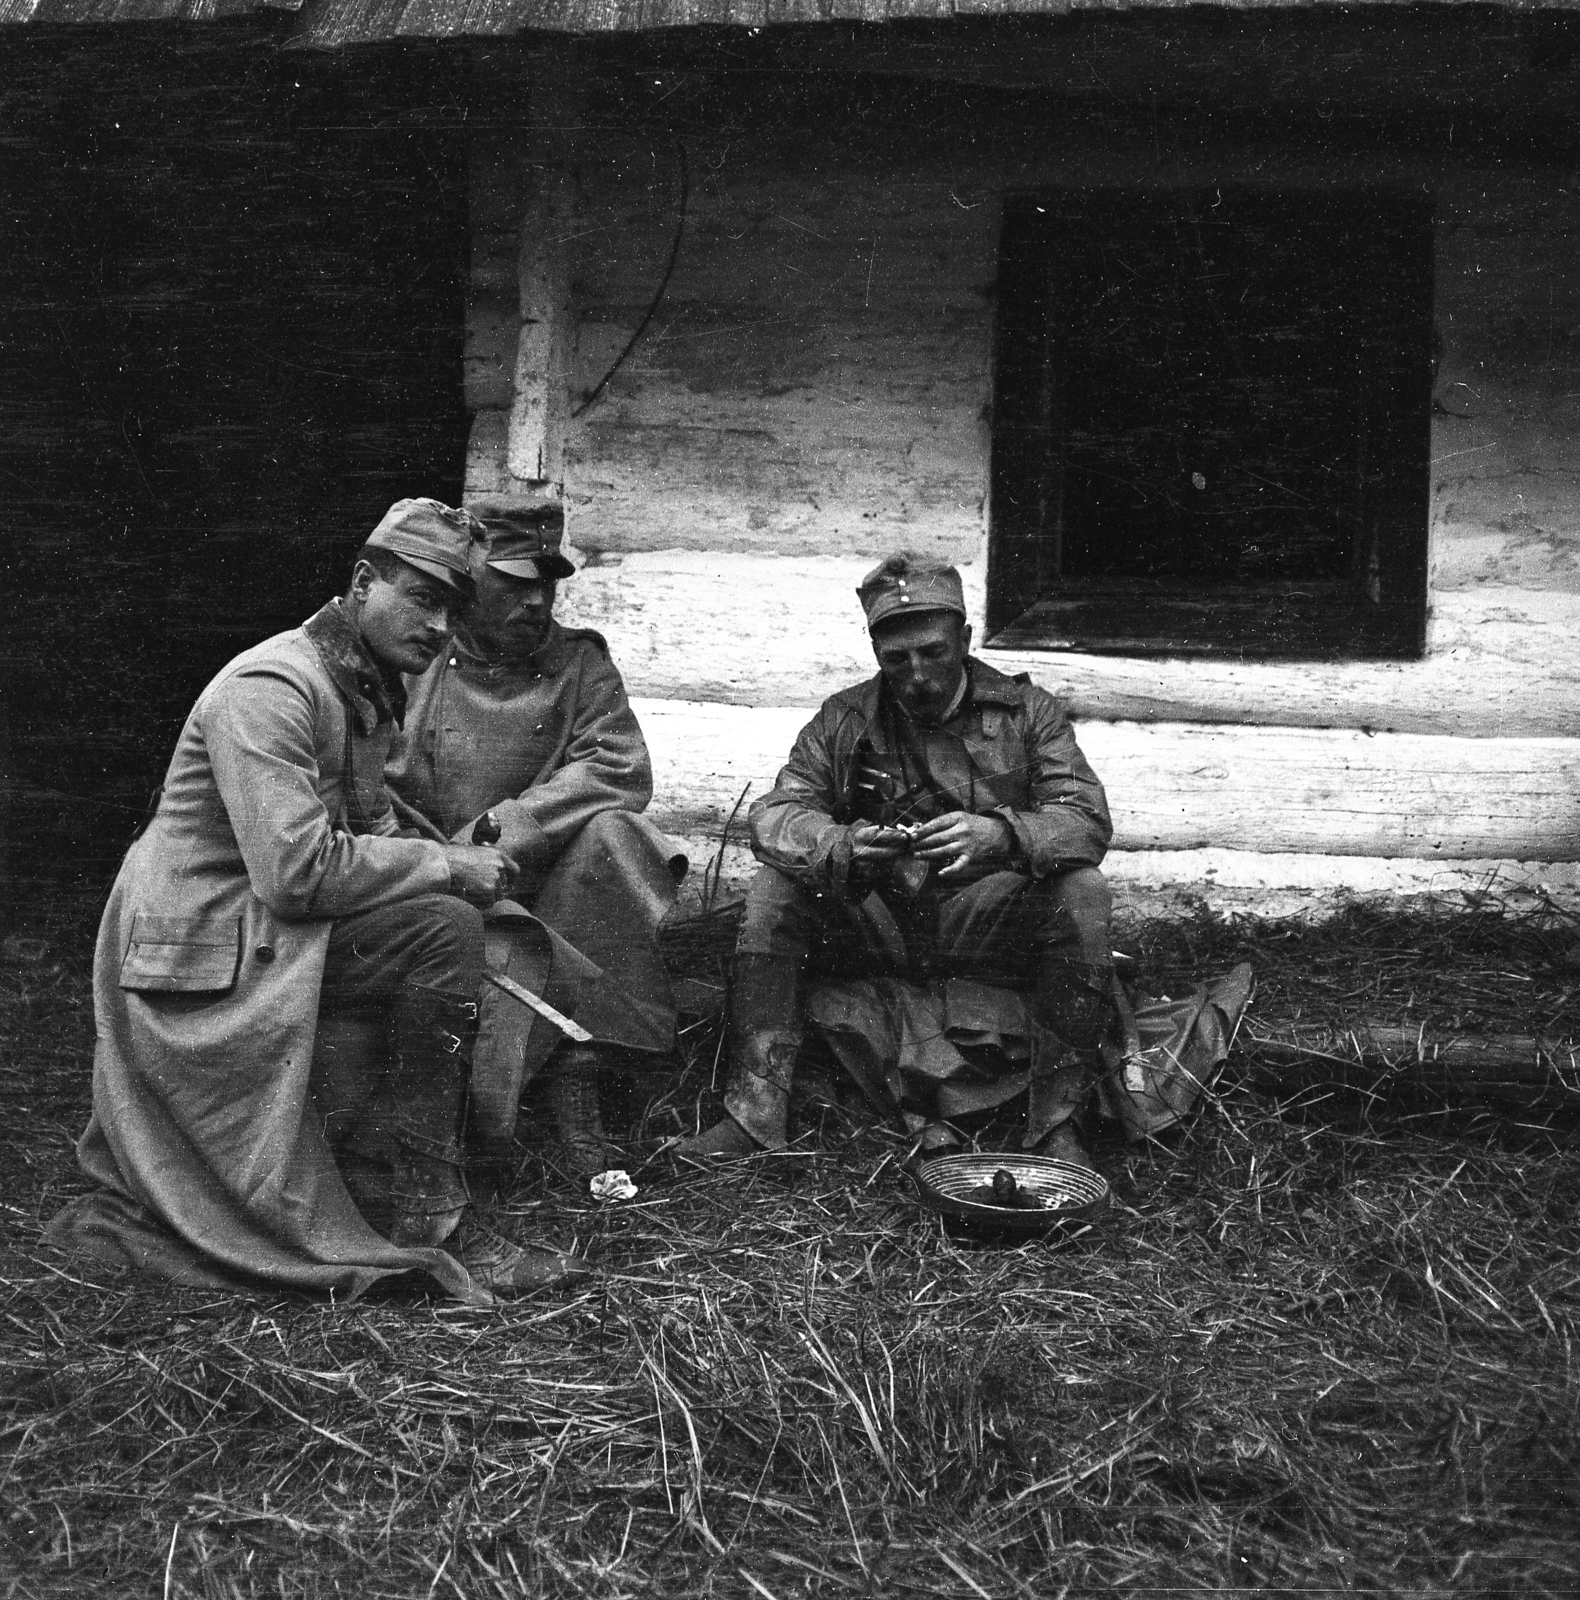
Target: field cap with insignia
<point>524,541</point>
<point>433,537</point>
<point>909,583</point>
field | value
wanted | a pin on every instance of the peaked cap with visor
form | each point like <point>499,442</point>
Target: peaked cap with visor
<point>524,541</point>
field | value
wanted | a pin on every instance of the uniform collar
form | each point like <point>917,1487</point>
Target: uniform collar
<point>374,697</point>
<point>985,687</point>
<point>990,687</point>
<point>546,660</point>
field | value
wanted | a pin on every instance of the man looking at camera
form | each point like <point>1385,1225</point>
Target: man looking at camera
<point>936,821</point>
<point>270,886</point>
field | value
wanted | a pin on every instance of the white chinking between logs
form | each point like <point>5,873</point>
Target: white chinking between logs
<point>725,508</point>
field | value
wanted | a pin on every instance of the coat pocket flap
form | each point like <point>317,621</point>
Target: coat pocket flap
<point>182,955</point>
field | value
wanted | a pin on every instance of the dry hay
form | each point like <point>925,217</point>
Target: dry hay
<point>1300,1356</point>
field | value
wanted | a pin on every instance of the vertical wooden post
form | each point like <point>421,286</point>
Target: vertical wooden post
<point>540,390</point>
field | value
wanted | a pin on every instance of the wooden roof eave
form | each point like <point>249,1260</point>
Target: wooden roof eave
<point>44,13</point>
<point>335,23</point>
<point>332,24</point>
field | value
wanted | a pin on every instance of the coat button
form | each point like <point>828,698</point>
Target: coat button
<point>264,953</point>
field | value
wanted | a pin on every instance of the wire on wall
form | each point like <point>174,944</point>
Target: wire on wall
<point>663,284</point>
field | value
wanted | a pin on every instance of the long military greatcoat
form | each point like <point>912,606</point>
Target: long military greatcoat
<point>551,746</point>
<point>546,744</point>
<point>273,821</point>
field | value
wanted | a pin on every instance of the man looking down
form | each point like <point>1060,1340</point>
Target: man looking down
<point>270,885</point>
<point>937,822</point>
<point>526,722</point>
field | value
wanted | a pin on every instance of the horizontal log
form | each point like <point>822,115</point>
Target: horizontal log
<point>824,369</point>
<point>1182,787</point>
<point>889,478</point>
<point>1167,883</point>
<point>777,630</point>
<point>1532,1073</point>
<point>1497,667</point>
<point>1154,885</point>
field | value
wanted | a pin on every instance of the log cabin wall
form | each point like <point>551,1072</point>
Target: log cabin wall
<point>231,292</point>
<point>813,390</point>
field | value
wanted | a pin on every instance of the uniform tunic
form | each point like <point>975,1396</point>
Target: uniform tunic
<point>1008,751</point>
<point>546,744</point>
<point>273,821</point>
<point>897,974</point>
<point>551,746</point>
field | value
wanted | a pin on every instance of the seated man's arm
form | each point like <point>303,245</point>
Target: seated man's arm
<point>605,767</point>
<point>410,823</point>
<point>793,826</point>
<point>258,727</point>
<point>1067,824</point>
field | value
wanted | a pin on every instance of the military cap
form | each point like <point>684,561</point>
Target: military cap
<point>434,538</point>
<point>524,541</point>
<point>909,583</point>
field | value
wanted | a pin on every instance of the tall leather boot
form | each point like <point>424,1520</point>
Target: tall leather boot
<point>433,1037</point>
<point>1075,1002</point>
<point>572,1089</point>
<point>1075,999</point>
<point>765,1036</point>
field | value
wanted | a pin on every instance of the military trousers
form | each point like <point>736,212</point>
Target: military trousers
<point>432,942</point>
<point>1006,928</point>
<point>994,930</point>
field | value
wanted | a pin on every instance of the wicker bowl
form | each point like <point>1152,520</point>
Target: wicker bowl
<point>960,1186</point>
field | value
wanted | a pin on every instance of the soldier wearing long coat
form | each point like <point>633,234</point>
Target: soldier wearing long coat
<point>273,879</point>
<point>526,722</point>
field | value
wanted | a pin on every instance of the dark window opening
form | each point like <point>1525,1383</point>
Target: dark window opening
<point>1211,423</point>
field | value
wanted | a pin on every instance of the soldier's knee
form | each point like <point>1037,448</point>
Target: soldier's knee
<point>776,906</point>
<point>624,841</point>
<point>1076,908</point>
<point>448,933</point>
<point>1084,892</point>
<point>607,826</point>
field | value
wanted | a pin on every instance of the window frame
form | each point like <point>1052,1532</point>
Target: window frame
<point>1376,612</point>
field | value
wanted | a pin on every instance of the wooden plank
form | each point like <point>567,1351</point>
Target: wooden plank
<point>1494,668</point>
<point>750,629</point>
<point>540,384</point>
<point>1032,64</point>
<point>1169,883</point>
<point>1185,787</point>
<point>1154,884</point>
<point>816,374</point>
<point>817,378</point>
<point>1387,1061</point>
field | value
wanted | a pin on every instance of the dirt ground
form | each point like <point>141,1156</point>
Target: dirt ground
<point>1323,1342</point>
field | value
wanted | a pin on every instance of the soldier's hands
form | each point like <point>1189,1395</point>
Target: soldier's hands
<point>480,874</point>
<point>959,844</point>
<point>870,844</point>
